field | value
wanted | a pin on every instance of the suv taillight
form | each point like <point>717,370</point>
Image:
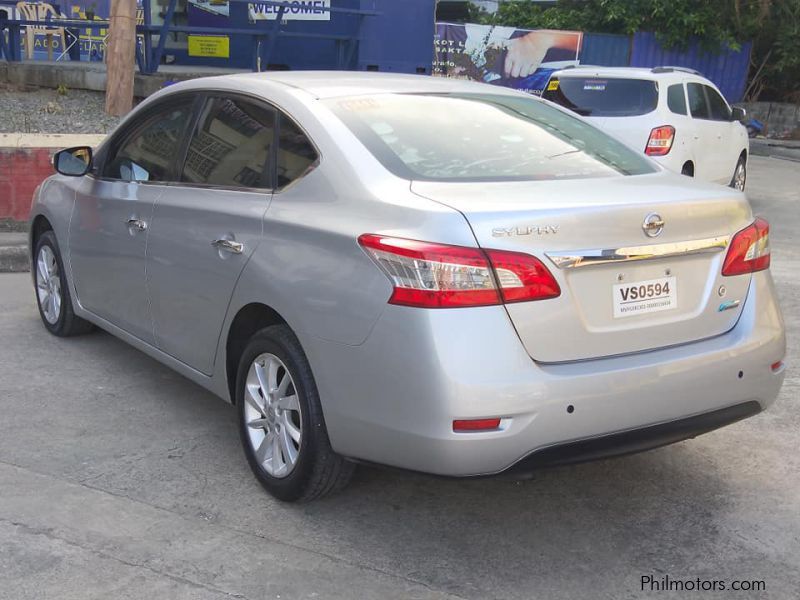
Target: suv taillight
<point>431,275</point>
<point>749,251</point>
<point>660,141</point>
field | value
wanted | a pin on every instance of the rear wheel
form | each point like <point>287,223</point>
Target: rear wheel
<point>280,420</point>
<point>52,291</point>
<point>739,178</point>
<point>688,169</point>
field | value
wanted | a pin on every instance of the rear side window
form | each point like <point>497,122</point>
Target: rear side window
<point>296,154</point>
<point>482,137</point>
<point>676,99</point>
<point>231,145</point>
<point>149,152</point>
<point>719,108</point>
<point>598,97</point>
<point>697,101</point>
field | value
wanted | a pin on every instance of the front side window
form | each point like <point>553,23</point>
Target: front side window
<point>482,137</point>
<point>603,97</point>
<point>697,101</point>
<point>149,152</point>
<point>676,99</point>
<point>296,154</point>
<point>231,145</point>
<point>719,108</point>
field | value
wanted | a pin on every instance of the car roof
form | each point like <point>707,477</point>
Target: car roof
<point>330,84</point>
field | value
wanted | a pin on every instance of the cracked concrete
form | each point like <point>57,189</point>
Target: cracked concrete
<point>120,479</point>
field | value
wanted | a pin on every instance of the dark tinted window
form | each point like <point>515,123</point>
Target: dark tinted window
<point>296,154</point>
<point>148,153</point>
<point>697,101</point>
<point>231,144</point>
<point>478,137</point>
<point>598,97</point>
<point>676,99</point>
<point>719,108</point>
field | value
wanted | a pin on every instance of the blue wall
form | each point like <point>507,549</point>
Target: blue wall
<point>727,69</point>
<point>605,49</point>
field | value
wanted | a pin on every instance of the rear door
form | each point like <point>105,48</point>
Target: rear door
<point>207,226</point>
<point>710,146</point>
<point>727,134</point>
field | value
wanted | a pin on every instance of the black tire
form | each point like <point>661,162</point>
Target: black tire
<point>687,170</point>
<point>318,470</point>
<point>67,324</point>
<point>741,164</point>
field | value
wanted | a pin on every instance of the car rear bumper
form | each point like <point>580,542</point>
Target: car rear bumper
<point>634,440</point>
<point>393,399</point>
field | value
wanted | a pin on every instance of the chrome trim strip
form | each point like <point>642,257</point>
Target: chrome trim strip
<point>572,259</point>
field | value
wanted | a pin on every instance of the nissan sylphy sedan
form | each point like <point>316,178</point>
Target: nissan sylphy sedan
<point>432,274</point>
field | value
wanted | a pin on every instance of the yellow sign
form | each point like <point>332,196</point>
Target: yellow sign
<point>217,46</point>
<point>553,85</point>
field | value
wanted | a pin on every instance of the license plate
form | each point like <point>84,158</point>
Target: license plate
<point>642,297</point>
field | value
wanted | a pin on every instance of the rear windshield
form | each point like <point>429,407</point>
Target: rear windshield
<point>598,97</point>
<point>477,137</point>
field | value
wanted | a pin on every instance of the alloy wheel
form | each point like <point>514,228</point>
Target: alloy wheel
<point>739,177</point>
<point>48,284</point>
<point>272,415</point>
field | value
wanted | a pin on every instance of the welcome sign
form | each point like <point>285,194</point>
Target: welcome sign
<point>296,10</point>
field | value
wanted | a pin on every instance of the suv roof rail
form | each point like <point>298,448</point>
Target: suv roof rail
<point>673,69</point>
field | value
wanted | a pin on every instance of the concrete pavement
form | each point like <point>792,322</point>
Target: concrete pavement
<point>120,479</point>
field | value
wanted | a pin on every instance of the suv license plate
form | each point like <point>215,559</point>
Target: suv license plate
<point>642,297</point>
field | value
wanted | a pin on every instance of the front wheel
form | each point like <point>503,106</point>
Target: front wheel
<point>739,178</point>
<point>280,420</point>
<point>52,291</point>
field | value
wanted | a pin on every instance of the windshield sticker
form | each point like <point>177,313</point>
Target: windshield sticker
<point>552,86</point>
<point>595,86</point>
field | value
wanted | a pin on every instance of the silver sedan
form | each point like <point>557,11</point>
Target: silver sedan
<point>431,274</point>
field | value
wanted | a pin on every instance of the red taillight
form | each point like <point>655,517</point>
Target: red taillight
<point>749,251</point>
<point>431,275</point>
<point>660,141</point>
<point>460,425</point>
<point>522,277</point>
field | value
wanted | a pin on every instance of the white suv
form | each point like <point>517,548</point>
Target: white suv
<point>672,114</point>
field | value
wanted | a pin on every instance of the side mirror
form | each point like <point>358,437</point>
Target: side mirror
<point>74,162</point>
<point>738,114</point>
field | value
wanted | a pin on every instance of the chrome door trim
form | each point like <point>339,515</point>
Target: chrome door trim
<point>572,259</point>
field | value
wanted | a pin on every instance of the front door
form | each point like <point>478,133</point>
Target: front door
<point>112,218</point>
<point>205,229</point>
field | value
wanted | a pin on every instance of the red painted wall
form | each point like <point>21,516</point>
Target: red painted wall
<point>21,170</point>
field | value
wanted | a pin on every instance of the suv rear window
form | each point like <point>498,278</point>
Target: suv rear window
<point>603,97</point>
<point>482,137</point>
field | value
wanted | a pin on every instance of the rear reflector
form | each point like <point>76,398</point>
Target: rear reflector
<point>431,275</point>
<point>660,141</point>
<point>476,424</point>
<point>749,251</point>
<point>776,366</point>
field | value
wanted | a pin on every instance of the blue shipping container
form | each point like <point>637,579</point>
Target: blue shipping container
<point>727,69</point>
<point>605,50</point>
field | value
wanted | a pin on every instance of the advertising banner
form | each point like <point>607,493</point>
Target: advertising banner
<point>522,59</point>
<point>298,10</point>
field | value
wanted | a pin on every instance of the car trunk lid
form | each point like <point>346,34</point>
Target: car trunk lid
<point>622,290</point>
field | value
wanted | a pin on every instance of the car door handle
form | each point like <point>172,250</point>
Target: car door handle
<point>228,246</point>
<point>137,224</point>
